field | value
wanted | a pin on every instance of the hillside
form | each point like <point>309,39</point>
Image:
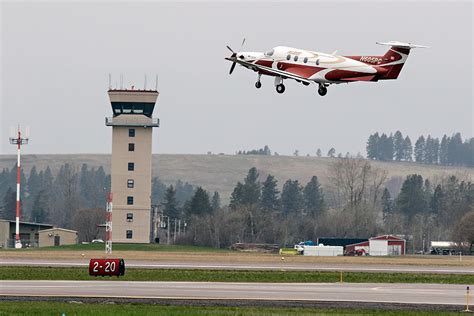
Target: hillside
<point>221,172</point>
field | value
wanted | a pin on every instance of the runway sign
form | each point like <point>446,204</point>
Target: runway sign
<point>108,267</point>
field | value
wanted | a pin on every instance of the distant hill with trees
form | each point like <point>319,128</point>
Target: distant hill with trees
<point>221,172</point>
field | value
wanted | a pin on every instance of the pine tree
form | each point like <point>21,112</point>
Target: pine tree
<point>313,197</point>
<point>455,150</point>
<point>39,213</point>
<point>158,191</point>
<point>200,204</point>
<point>236,196</point>
<point>292,198</point>
<point>373,146</point>
<point>399,146</point>
<point>443,150</point>
<point>412,198</point>
<point>387,206</point>
<point>216,201</point>
<point>170,205</point>
<point>331,153</point>
<point>420,149</point>
<point>9,204</point>
<point>270,194</point>
<point>408,149</point>
<point>251,189</point>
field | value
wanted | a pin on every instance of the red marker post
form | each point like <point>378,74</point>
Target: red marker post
<point>103,267</point>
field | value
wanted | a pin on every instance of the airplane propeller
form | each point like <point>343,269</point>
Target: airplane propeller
<point>234,54</point>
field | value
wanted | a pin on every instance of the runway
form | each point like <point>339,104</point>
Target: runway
<point>250,266</point>
<point>432,294</point>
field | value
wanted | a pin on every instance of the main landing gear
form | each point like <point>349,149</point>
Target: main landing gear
<point>258,84</point>
<point>322,90</point>
<point>280,87</point>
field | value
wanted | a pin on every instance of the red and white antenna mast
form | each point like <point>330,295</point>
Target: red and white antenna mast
<point>18,140</point>
<point>108,225</point>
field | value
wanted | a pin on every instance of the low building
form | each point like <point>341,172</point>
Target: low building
<point>385,245</point>
<point>29,233</point>
<point>323,251</point>
<point>57,237</point>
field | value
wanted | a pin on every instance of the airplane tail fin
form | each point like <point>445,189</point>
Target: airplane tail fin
<point>395,57</point>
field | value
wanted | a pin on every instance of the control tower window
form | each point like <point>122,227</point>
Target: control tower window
<point>129,234</point>
<point>131,132</point>
<point>129,200</point>
<point>131,166</point>
<point>131,147</point>
<point>130,183</point>
<point>129,217</point>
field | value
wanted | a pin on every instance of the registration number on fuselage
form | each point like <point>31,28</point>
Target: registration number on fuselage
<point>370,60</point>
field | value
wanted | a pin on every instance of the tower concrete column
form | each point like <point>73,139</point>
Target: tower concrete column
<point>132,126</point>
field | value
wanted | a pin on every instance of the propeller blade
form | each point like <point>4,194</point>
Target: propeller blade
<point>228,47</point>
<point>243,41</point>
<point>232,68</point>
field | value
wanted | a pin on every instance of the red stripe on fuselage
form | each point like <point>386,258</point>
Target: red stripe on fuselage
<point>305,71</point>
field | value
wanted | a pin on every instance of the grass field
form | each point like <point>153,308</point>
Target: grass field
<point>192,254</point>
<point>196,275</point>
<point>76,308</point>
<point>134,247</point>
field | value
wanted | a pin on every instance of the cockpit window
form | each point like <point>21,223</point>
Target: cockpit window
<point>288,57</point>
<point>270,53</point>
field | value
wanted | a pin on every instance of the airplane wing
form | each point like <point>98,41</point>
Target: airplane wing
<point>280,73</point>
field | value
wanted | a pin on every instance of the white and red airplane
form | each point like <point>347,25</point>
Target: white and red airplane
<point>310,67</point>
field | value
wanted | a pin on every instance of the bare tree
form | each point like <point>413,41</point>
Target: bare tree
<point>85,221</point>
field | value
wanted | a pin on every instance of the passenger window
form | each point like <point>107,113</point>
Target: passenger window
<point>288,57</point>
<point>305,60</point>
<point>296,58</point>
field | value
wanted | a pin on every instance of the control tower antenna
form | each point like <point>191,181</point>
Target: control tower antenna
<point>110,81</point>
<point>144,87</point>
<point>156,82</point>
<point>18,140</point>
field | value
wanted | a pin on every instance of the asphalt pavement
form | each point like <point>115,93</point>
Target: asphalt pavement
<point>444,294</point>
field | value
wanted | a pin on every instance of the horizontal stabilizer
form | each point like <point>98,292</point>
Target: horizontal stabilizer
<point>403,45</point>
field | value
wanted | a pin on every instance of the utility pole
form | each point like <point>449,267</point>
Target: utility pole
<point>108,225</point>
<point>18,140</point>
<point>168,231</point>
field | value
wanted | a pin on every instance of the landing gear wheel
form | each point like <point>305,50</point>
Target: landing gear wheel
<point>322,91</point>
<point>280,88</point>
<point>258,84</point>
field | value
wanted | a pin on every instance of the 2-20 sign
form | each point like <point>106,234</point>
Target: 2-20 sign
<point>105,267</point>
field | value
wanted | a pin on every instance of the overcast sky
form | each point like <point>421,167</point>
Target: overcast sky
<point>56,57</point>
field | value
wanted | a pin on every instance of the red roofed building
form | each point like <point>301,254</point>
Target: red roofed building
<point>385,245</point>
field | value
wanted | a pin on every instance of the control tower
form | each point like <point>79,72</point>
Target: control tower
<point>132,125</point>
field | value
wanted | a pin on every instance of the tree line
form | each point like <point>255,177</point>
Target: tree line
<point>449,151</point>
<point>72,198</point>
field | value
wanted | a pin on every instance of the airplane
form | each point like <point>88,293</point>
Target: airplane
<point>309,67</point>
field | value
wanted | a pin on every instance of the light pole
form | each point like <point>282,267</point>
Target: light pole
<point>18,140</point>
